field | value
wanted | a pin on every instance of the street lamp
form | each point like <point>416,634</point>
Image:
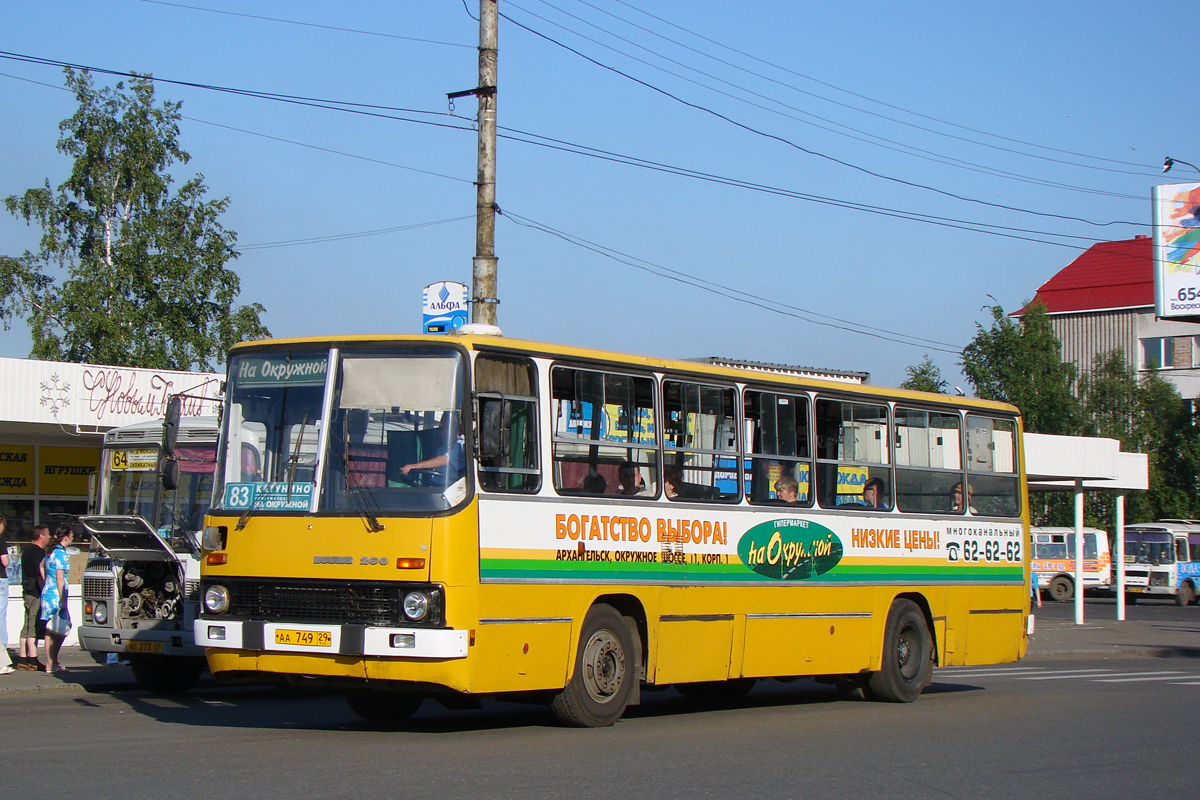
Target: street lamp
<point>1170,162</point>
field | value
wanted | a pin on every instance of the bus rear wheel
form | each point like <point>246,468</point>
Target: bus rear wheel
<point>605,669</point>
<point>907,666</point>
<point>384,706</point>
<point>1186,595</point>
<point>1061,589</point>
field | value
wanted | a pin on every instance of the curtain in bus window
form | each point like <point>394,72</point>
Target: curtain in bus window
<point>506,416</point>
<point>778,467</point>
<point>992,485</point>
<point>1194,546</point>
<point>928,461</point>
<point>605,433</point>
<point>699,442</point>
<point>853,454</point>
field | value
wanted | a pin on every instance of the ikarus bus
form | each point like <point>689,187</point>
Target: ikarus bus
<point>449,517</point>
<point>1163,558</point>
<point>142,580</point>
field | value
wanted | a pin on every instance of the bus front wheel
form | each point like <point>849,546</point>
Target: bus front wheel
<point>605,669</point>
<point>1186,595</point>
<point>907,666</point>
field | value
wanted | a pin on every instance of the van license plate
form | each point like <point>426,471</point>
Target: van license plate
<point>143,647</point>
<point>1134,589</point>
<point>309,638</point>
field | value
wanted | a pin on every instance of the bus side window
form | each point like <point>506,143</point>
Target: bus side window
<point>605,429</point>
<point>853,443</point>
<point>928,460</point>
<point>777,449</point>
<point>992,466</point>
<point>699,442</point>
<point>506,424</point>
<point>1194,546</point>
<point>1181,549</point>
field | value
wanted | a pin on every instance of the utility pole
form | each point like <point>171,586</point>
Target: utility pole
<point>483,270</point>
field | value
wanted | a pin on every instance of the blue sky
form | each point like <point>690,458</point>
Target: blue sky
<point>1077,103</point>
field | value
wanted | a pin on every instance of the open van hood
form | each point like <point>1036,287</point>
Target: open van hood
<point>128,538</point>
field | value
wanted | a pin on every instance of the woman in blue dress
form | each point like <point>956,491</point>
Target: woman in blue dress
<point>54,597</point>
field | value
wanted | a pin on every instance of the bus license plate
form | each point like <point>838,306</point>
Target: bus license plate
<point>309,638</point>
<point>1133,589</point>
<point>143,647</point>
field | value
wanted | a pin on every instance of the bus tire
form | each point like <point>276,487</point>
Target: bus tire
<point>907,666</point>
<point>727,691</point>
<point>1186,595</point>
<point>166,675</point>
<point>1131,599</point>
<point>384,706</point>
<point>1062,589</point>
<point>605,671</point>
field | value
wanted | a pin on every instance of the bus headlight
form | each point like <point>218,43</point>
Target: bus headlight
<point>416,605</point>
<point>100,613</point>
<point>216,599</point>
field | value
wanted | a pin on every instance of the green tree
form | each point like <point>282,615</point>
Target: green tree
<point>924,377</point>
<point>129,272</point>
<point>1021,363</point>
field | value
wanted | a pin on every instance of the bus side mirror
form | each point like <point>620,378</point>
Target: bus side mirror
<point>168,472</point>
<point>171,425</point>
<point>93,486</point>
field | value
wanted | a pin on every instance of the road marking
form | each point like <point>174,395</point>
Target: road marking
<point>956,672</point>
<point>1187,683</point>
<point>1062,676</point>
<point>1144,676</point>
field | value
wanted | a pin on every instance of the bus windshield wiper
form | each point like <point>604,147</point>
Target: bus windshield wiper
<point>360,497</point>
<point>294,458</point>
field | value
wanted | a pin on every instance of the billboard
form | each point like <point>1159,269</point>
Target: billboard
<point>1176,249</point>
<point>444,307</point>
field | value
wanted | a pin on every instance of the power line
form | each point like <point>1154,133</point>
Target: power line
<point>872,139</point>
<point>786,141</point>
<point>338,237</point>
<point>569,147</point>
<point>871,99</point>
<point>307,24</point>
<point>731,293</point>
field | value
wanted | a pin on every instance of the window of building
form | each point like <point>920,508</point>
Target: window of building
<point>992,486</point>
<point>778,449</point>
<point>605,433</point>
<point>853,456</point>
<point>700,456</point>
<point>506,421</point>
<point>928,460</point>
<point>1172,352</point>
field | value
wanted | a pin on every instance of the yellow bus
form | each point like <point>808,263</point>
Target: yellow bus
<point>412,517</point>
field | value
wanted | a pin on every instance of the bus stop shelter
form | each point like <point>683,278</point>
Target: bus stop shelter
<point>1085,463</point>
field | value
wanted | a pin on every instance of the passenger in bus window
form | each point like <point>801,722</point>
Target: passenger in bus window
<point>956,499</point>
<point>594,483</point>
<point>630,478</point>
<point>672,480</point>
<point>786,490</point>
<point>875,494</point>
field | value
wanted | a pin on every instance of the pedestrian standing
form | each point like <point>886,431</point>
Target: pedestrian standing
<point>33,578</point>
<point>6,666</point>
<point>54,597</point>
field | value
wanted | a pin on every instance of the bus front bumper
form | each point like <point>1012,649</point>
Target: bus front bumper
<point>344,640</point>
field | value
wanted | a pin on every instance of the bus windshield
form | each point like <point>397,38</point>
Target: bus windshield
<point>130,485</point>
<point>393,438</point>
<point>1149,547</point>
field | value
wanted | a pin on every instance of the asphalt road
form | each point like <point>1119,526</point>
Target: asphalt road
<point>1103,728</point>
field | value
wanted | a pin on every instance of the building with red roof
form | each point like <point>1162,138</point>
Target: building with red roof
<point>1104,301</point>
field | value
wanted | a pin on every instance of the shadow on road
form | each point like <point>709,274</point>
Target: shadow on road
<point>265,708</point>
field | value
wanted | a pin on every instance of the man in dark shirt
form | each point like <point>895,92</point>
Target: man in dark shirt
<point>33,578</point>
